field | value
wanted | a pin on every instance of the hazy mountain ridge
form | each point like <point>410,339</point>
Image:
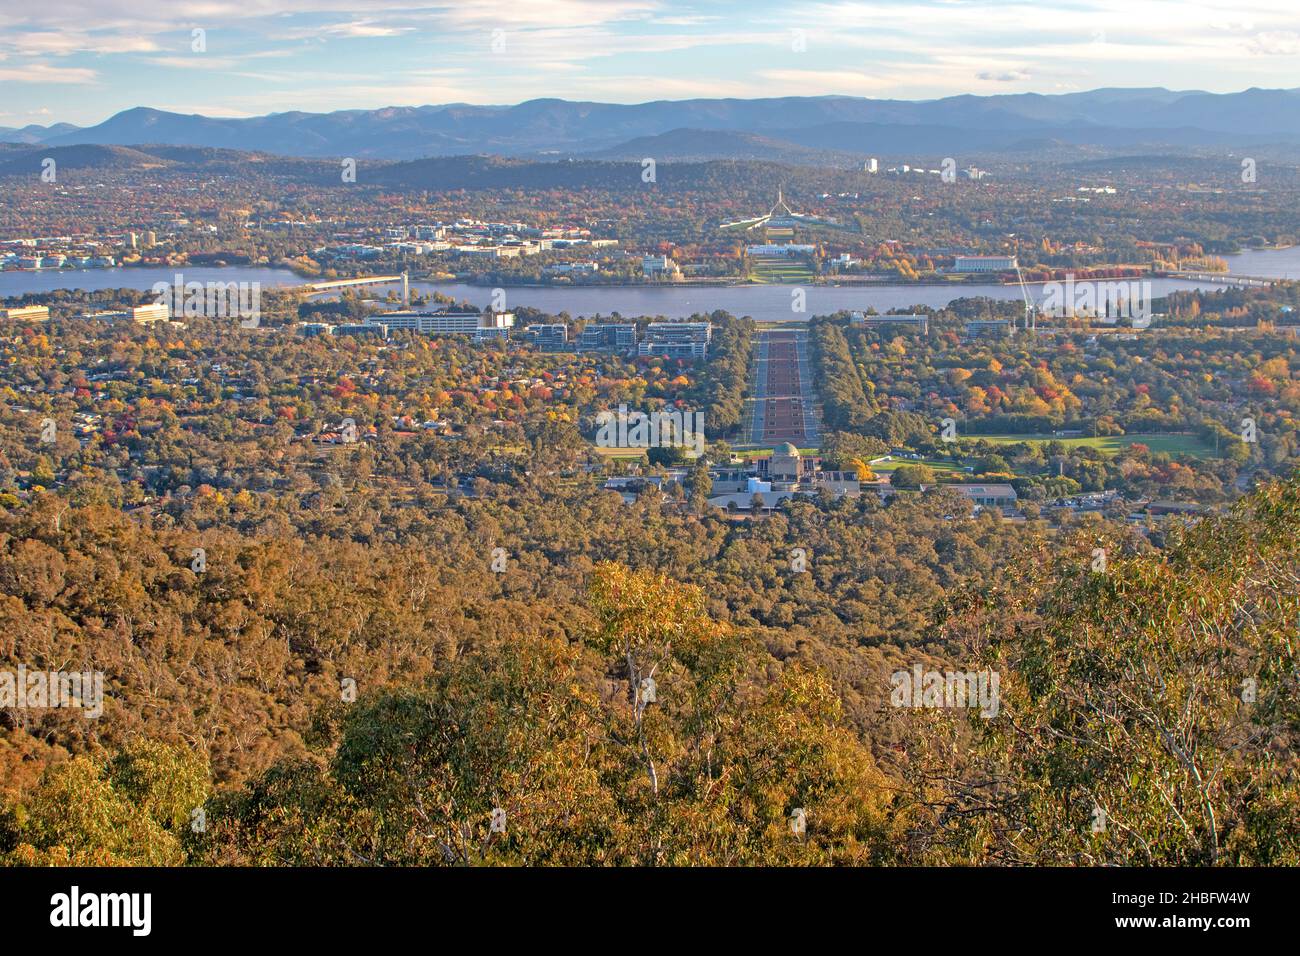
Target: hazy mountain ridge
<point>33,133</point>
<point>685,145</point>
<point>768,128</point>
<point>766,164</point>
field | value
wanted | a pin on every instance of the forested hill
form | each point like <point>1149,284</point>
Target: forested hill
<point>523,692</point>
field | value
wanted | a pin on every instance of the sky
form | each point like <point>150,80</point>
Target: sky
<point>80,61</point>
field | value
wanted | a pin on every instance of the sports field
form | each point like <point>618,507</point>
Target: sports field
<point>618,453</point>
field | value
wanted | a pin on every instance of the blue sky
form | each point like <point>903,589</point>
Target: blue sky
<point>81,61</point>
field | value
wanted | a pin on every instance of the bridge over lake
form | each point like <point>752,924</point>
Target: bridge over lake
<point>317,288</point>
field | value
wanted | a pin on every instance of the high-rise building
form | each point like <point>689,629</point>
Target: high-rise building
<point>27,313</point>
<point>548,338</point>
<point>608,337</point>
<point>148,314</point>
<point>676,339</point>
<point>480,325</point>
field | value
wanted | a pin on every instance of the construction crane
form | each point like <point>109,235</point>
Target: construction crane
<point>1031,313</point>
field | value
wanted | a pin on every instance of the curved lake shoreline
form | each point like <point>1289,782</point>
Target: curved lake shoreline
<point>763,302</point>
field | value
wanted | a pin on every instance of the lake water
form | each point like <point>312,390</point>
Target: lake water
<point>91,280</point>
<point>763,302</point>
<point>766,303</point>
<point>1267,263</point>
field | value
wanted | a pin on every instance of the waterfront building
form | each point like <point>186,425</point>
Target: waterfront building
<point>677,339</point>
<point>985,264</point>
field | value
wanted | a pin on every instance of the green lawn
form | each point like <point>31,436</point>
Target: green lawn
<point>1113,444</point>
<point>751,452</point>
<point>782,272</point>
<point>943,468</point>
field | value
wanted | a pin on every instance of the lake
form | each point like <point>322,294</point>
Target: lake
<point>48,280</point>
<point>1267,263</point>
<point>763,302</point>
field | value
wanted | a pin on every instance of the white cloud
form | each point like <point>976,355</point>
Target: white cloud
<point>631,50</point>
<point>1275,43</point>
<point>69,41</point>
<point>1005,76</point>
<point>45,73</point>
<point>504,14</point>
<point>816,82</point>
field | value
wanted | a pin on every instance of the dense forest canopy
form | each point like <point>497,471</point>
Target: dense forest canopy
<point>1121,692</point>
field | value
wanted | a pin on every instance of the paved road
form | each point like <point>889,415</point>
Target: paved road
<point>783,406</point>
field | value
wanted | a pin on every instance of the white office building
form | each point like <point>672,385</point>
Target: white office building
<point>658,265</point>
<point>676,339</point>
<point>915,320</point>
<point>984,264</point>
<point>481,325</point>
<point>774,250</point>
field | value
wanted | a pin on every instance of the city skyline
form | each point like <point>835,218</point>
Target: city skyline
<point>73,61</point>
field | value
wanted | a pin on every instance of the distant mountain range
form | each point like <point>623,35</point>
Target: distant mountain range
<point>28,160</point>
<point>33,133</point>
<point>785,129</point>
